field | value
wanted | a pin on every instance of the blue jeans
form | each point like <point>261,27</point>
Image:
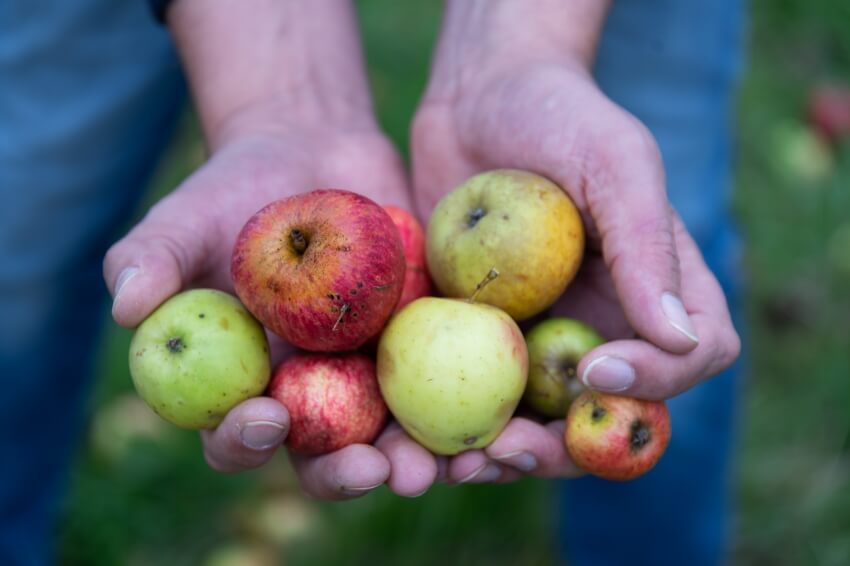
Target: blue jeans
<point>89,94</point>
<point>674,64</point>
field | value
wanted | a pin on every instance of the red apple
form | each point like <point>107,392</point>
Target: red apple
<point>417,282</point>
<point>828,110</point>
<point>323,270</point>
<point>616,437</point>
<point>333,401</point>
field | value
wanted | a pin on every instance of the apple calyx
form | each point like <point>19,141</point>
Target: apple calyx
<point>491,276</point>
<point>474,216</point>
<point>175,345</point>
<point>298,240</point>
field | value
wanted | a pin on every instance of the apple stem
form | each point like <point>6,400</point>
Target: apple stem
<point>342,312</point>
<point>491,275</point>
<point>298,240</point>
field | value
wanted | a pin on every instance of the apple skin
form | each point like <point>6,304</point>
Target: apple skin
<point>828,111</point>
<point>616,437</point>
<point>452,372</point>
<point>339,288</point>
<point>417,282</point>
<point>333,401</point>
<point>555,348</point>
<point>518,222</point>
<point>197,356</point>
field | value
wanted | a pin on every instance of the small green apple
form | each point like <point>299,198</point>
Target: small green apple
<point>452,372</point>
<point>555,348</point>
<point>197,356</point>
<point>522,224</point>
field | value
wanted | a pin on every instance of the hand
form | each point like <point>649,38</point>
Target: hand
<point>643,282</point>
<point>186,241</point>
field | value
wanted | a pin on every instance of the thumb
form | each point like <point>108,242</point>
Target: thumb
<point>151,263</point>
<point>635,221</point>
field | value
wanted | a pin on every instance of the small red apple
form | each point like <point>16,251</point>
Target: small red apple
<point>333,401</point>
<point>616,437</point>
<point>323,270</point>
<point>417,282</point>
<point>828,110</point>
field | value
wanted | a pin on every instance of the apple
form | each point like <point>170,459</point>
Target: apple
<point>616,437</point>
<point>555,348</point>
<point>452,372</point>
<point>323,270</point>
<point>518,222</point>
<point>197,356</point>
<point>417,282</point>
<point>333,401</point>
<point>828,110</point>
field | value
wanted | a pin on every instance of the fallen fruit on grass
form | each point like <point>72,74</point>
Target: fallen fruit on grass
<point>197,356</point>
<point>555,348</point>
<point>452,372</point>
<point>616,437</point>
<point>522,224</point>
<point>323,270</point>
<point>333,401</point>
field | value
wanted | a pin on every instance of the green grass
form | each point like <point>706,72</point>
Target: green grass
<point>145,496</point>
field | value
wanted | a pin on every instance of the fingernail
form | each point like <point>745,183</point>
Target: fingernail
<point>261,435</point>
<point>521,460</point>
<point>358,491</point>
<point>677,316</point>
<point>123,278</point>
<point>607,373</point>
<point>487,473</point>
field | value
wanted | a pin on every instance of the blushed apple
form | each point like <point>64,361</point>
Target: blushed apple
<point>417,282</point>
<point>555,348</point>
<point>323,270</point>
<point>522,224</point>
<point>616,437</point>
<point>197,356</point>
<point>452,372</point>
<point>333,401</point>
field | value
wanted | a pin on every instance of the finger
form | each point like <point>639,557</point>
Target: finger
<point>413,469</point>
<point>626,197</point>
<point>640,369</point>
<point>473,466</point>
<point>533,448</point>
<point>347,473</point>
<point>160,256</point>
<point>248,436</point>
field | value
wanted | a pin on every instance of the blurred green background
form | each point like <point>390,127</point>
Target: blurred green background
<point>142,494</point>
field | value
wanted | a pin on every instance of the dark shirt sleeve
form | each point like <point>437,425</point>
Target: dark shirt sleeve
<point>158,8</point>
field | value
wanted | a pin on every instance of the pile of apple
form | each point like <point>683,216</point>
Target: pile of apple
<point>345,281</point>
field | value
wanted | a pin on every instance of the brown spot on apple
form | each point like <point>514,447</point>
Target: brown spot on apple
<point>224,323</point>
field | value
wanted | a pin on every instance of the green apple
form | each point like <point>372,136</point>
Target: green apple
<point>520,223</point>
<point>452,372</point>
<point>555,347</point>
<point>197,356</point>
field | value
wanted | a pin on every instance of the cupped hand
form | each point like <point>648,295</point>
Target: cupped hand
<point>186,241</point>
<point>643,282</point>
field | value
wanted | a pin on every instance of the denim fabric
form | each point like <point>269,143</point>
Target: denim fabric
<point>89,94</point>
<point>675,64</point>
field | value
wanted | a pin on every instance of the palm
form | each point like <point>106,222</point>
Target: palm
<point>549,122</point>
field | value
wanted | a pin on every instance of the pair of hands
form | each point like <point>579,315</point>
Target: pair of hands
<point>643,283</point>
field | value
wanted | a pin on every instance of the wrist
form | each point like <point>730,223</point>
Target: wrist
<point>481,36</point>
<point>260,66</point>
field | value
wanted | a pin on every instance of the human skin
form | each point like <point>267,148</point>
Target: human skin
<point>281,93</point>
<point>500,95</point>
<point>504,95</point>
